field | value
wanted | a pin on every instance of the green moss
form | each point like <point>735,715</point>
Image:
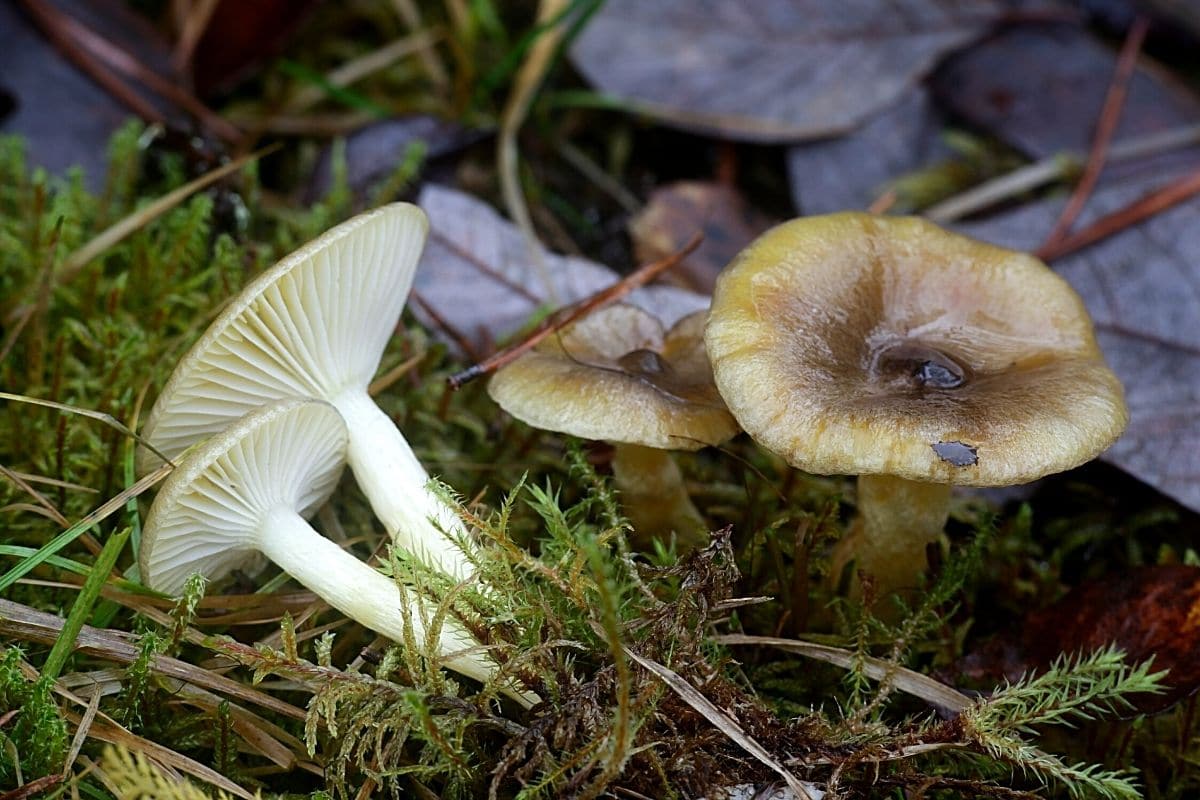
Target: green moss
<point>569,604</point>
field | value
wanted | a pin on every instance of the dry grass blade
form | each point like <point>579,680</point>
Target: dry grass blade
<point>143,216</point>
<point>195,22</point>
<point>725,724</point>
<point>53,23</point>
<point>49,508</point>
<point>356,69</point>
<point>34,788</point>
<point>525,85</point>
<point>906,680</point>
<point>106,729</point>
<point>81,733</point>
<point>72,533</point>
<point>407,10</point>
<point>1051,169</point>
<point>124,62</point>
<point>99,416</point>
<point>21,623</point>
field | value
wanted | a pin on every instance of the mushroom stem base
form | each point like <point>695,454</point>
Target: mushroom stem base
<point>395,484</point>
<point>654,495</point>
<point>897,519</point>
<point>370,597</point>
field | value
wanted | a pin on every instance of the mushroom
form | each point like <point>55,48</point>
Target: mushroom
<point>616,376</point>
<point>915,358</point>
<point>315,325</point>
<point>245,493</point>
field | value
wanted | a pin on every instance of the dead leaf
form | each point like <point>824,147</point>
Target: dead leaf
<point>774,70</point>
<point>478,282</point>
<point>1142,287</point>
<point>374,151</point>
<point>852,171</point>
<point>678,211</point>
<point>66,119</point>
<point>1147,612</point>
<point>1041,88</point>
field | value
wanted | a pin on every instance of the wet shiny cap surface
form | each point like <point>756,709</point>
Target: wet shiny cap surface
<point>857,344</point>
<point>617,376</point>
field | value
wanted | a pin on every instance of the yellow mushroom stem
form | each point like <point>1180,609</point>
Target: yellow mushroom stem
<point>654,495</point>
<point>897,519</point>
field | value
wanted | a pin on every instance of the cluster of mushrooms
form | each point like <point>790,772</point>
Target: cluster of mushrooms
<point>849,344</point>
<point>852,344</point>
<point>276,391</point>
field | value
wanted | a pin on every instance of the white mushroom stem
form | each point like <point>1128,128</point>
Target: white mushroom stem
<point>395,483</point>
<point>654,494</point>
<point>367,596</point>
<point>897,519</point>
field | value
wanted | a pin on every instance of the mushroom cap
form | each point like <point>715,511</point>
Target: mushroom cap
<point>859,344</point>
<point>313,325</point>
<point>615,375</point>
<point>286,455</point>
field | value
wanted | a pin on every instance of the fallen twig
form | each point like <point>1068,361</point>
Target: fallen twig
<point>568,314</point>
<point>1110,114</point>
<point>1159,200</point>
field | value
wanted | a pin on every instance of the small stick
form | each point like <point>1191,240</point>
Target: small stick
<point>568,314</point>
<point>1143,208</point>
<point>1110,115</point>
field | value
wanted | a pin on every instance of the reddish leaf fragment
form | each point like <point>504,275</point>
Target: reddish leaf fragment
<point>240,35</point>
<point>1147,612</point>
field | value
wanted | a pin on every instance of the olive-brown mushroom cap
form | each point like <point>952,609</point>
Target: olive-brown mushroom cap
<point>858,344</point>
<point>616,376</point>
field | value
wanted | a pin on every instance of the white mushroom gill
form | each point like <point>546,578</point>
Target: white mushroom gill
<point>316,325</point>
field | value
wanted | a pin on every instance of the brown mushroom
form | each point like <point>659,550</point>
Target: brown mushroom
<point>915,358</point>
<point>616,376</point>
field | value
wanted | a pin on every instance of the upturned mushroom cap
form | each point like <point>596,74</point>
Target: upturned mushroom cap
<point>314,325</point>
<point>859,344</point>
<point>616,376</point>
<point>208,515</point>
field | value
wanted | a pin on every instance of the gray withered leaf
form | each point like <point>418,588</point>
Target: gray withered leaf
<point>1142,287</point>
<point>771,70</point>
<point>479,277</point>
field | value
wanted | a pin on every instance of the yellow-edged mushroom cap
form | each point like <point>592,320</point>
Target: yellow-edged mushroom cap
<point>859,344</point>
<point>616,376</point>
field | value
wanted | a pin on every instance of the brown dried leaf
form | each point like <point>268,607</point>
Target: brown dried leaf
<point>678,211</point>
<point>478,281</point>
<point>1147,612</point>
<point>1142,287</point>
<point>773,70</point>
